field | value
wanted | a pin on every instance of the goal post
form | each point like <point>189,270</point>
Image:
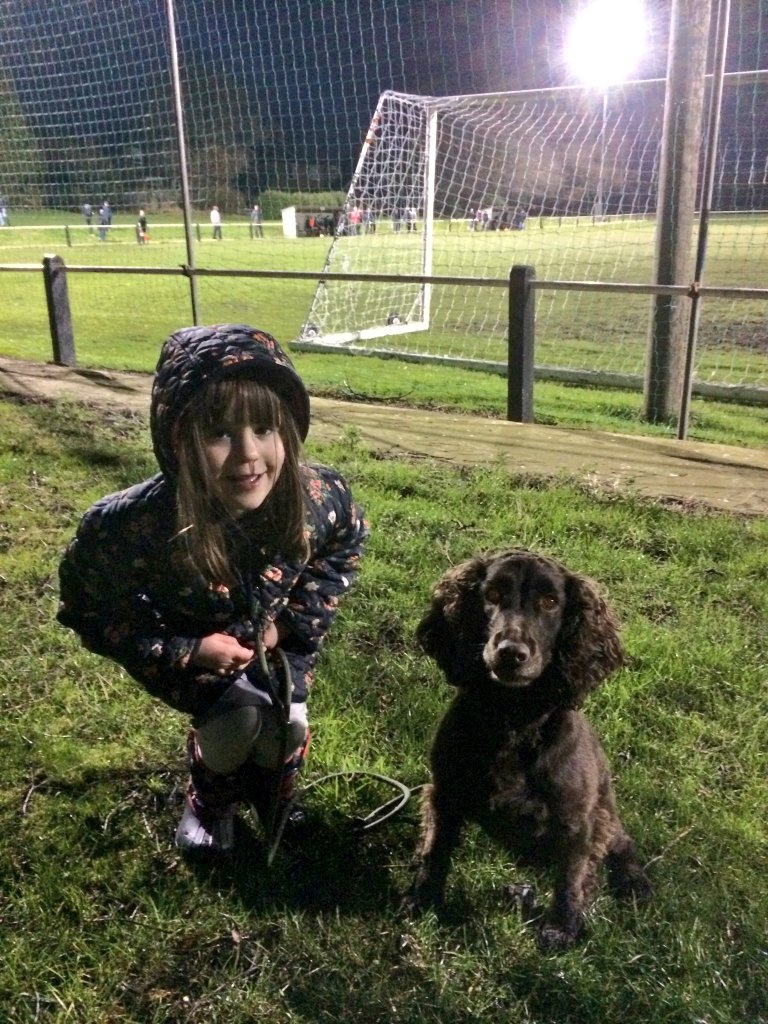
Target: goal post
<point>392,192</point>
<point>442,183</point>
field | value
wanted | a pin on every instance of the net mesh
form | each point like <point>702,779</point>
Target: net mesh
<point>563,180</point>
<point>277,105</point>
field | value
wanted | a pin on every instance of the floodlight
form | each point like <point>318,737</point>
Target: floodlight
<point>606,41</point>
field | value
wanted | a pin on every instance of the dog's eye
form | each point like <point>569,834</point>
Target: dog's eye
<point>548,602</point>
<point>492,595</point>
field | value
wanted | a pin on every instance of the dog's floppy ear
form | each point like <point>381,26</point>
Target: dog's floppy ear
<point>589,647</point>
<point>451,630</point>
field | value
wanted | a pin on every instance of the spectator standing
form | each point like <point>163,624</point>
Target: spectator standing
<point>216,222</point>
<point>355,220</point>
<point>87,211</point>
<point>141,228</point>
<point>256,229</point>
<point>105,220</point>
<point>4,222</point>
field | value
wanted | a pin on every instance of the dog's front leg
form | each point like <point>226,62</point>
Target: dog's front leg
<point>563,924</point>
<point>440,834</point>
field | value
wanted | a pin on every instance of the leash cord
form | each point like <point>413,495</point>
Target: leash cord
<point>274,823</point>
<point>384,811</point>
<point>360,823</point>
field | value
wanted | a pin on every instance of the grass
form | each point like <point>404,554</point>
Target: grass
<point>102,923</point>
<point>119,320</point>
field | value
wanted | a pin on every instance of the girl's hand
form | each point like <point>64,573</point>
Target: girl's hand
<point>222,654</point>
<point>271,636</point>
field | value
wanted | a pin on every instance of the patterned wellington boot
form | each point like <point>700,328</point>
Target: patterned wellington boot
<point>207,824</point>
<point>272,794</point>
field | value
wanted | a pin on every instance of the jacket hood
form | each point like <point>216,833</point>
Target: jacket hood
<point>194,356</point>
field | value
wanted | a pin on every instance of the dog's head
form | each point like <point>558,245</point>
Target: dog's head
<point>515,617</point>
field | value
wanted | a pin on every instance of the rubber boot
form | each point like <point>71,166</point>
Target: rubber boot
<point>207,824</point>
<point>269,790</point>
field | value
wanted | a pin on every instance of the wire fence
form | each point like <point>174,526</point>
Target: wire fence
<point>187,107</point>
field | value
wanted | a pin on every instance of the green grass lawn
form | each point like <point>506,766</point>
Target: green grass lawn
<point>102,923</point>
<point>119,321</point>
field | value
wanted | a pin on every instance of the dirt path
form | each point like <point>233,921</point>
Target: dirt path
<point>722,476</point>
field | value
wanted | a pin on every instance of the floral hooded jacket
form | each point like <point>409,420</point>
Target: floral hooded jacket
<point>126,588</point>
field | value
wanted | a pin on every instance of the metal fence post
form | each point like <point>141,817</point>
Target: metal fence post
<point>59,315</point>
<point>520,344</point>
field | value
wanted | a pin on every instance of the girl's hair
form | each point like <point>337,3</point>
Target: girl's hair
<point>208,530</point>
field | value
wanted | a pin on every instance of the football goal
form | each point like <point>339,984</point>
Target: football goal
<point>450,187</point>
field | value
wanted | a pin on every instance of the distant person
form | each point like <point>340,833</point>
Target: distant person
<point>141,228</point>
<point>105,220</point>
<point>87,211</point>
<point>256,229</point>
<point>4,222</point>
<point>216,222</point>
<point>355,220</point>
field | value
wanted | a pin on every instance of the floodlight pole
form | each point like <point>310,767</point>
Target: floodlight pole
<point>182,148</point>
<point>676,203</point>
<point>603,131</point>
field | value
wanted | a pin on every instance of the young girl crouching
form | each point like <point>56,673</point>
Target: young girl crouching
<point>215,581</point>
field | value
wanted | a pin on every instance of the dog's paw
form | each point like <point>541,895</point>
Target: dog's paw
<point>555,937</point>
<point>632,886</point>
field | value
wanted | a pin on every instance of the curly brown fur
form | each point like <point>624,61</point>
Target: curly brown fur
<point>525,640</point>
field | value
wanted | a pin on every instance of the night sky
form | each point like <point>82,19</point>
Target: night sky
<point>293,82</point>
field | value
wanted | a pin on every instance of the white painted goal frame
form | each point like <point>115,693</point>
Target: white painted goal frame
<point>475,163</point>
<point>401,143</point>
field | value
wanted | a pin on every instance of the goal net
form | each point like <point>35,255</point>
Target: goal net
<point>463,187</point>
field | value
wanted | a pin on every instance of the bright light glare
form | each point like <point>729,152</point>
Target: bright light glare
<point>606,41</point>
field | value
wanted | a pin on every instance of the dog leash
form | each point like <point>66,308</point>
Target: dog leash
<point>384,811</point>
<point>277,816</point>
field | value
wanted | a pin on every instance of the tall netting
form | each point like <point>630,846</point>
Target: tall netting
<point>87,140</point>
<point>467,186</point>
<point>565,180</point>
<point>278,101</point>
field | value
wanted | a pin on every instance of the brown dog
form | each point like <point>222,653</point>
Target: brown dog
<point>524,640</point>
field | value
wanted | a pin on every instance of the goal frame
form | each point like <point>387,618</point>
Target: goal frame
<point>417,316</point>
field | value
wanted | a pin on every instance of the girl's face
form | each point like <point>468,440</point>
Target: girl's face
<point>243,462</point>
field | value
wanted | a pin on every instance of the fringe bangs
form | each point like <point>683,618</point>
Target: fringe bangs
<point>203,524</point>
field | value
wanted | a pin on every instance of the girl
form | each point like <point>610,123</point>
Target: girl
<point>214,583</point>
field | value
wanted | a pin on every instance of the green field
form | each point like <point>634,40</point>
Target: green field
<point>579,330</point>
<point>103,922</point>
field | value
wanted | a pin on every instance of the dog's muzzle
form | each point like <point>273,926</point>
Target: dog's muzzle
<point>514,662</point>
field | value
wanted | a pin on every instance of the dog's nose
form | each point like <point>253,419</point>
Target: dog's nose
<point>513,652</point>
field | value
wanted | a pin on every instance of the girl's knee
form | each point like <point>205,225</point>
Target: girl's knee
<point>226,741</point>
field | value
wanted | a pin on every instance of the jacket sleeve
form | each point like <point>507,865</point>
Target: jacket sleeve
<point>102,600</point>
<point>337,538</point>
